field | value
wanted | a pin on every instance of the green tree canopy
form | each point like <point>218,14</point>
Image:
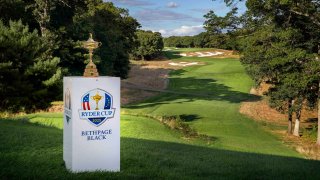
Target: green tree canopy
<point>28,75</point>
<point>52,37</point>
<point>149,45</point>
<point>202,40</point>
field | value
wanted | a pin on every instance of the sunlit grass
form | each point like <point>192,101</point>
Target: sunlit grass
<point>149,150</point>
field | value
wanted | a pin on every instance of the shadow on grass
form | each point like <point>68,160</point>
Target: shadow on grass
<point>193,88</point>
<point>182,90</point>
<point>181,117</point>
<point>210,88</point>
<point>172,54</point>
<point>35,152</point>
<point>189,117</point>
<point>190,88</point>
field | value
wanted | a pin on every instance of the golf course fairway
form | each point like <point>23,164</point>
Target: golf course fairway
<point>206,98</point>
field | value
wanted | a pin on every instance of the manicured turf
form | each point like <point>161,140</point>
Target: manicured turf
<point>31,146</point>
<point>218,88</point>
<point>149,150</point>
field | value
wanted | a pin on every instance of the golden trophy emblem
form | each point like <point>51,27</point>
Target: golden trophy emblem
<point>97,98</point>
<point>91,69</point>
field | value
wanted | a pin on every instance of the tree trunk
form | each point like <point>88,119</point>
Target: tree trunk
<point>318,137</point>
<point>290,116</point>
<point>43,30</point>
<point>297,123</point>
<point>42,15</point>
<point>296,128</point>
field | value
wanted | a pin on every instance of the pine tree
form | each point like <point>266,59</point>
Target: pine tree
<point>28,76</point>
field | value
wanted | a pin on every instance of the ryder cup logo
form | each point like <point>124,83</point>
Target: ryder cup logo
<point>96,107</point>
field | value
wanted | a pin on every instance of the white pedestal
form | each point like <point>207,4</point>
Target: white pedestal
<point>91,133</point>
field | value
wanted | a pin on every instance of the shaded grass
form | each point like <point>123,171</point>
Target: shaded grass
<point>149,150</point>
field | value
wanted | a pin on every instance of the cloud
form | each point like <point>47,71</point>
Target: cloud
<point>172,5</point>
<point>132,2</point>
<point>182,31</point>
<point>151,15</point>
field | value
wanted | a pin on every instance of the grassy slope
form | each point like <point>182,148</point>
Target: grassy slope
<point>32,149</point>
<point>219,87</point>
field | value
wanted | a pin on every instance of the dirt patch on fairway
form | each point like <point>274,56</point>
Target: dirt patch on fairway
<point>145,75</point>
<point>148,78</point>
<point>261,111</point>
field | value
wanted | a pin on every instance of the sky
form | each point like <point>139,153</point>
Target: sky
<point>173,17</point>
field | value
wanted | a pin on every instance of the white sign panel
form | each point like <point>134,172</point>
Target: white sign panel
<point>91,134</point>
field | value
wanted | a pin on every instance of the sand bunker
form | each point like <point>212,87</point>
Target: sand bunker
<point>201,54</point>
<point>183,64</point>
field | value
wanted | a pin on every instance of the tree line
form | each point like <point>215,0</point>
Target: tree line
<point>41,41</point>
<point>202,40</point>
<point>280,45</point>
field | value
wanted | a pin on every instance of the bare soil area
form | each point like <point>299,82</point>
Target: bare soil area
<point>261,111</point>
<point>144,75</point>
<point>148,78</point>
